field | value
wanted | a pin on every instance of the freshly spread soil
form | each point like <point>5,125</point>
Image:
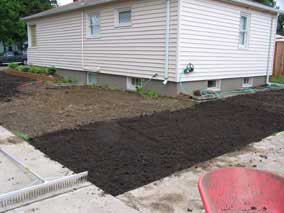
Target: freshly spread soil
<point>124,154</point>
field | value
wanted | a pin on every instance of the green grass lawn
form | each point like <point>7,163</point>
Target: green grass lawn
<point>279,80</point>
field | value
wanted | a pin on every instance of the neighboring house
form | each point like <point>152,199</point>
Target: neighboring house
<point>122,44</point>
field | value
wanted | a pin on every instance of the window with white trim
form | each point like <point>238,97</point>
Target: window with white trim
<point>214,84</point>
<point>123,17</point>
<point>32,36</point>
<point>247,82</point>
<point>244,31</point>
<point>94,26</point>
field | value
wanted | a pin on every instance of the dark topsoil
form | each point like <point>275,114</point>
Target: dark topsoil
<point>9,86</point>
<point>124,154</point>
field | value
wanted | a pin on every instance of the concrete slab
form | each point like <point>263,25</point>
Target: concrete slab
<point>178,193</point>
<point>87,199</point>
<point>12,177</point>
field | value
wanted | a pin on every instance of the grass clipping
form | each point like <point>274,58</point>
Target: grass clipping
<point>22,136</point>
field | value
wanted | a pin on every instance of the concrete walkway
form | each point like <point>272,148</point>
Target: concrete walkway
<point>178,193</point>
<point>88,199</point>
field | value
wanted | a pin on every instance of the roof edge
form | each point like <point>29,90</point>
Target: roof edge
<point>83,4</point>
<point>255,5</point>
<point>66,8</point>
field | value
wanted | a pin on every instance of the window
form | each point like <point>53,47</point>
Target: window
<point>123,17</point>
<point>32,36</point>
<point>244,31</point>
<point>134,83</point>
<point>214,85</point>
<point>94,26</point>
<point>92,78</point>
<point>247,82</point>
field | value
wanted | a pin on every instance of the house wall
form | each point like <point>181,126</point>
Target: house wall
<point>58,42</point>
<point>209,39</point>
<point>135,51</point>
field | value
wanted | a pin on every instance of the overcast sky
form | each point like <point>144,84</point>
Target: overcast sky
<point>62,2</point>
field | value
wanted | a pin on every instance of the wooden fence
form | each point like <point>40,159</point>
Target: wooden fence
<point>278,68</point>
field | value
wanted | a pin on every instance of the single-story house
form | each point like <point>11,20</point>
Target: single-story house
<point>170,46</point>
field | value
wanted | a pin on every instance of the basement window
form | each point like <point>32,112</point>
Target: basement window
<point>123,17</point>
<point>134,83</point>
<point>213,84</point>
<point>32,36</point>
<point>247,82</point>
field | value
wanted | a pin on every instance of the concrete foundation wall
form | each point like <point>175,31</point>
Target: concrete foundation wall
<point>171,89</point>
<point>112,81</point>
<point>78,76</point>
<point>226,84</point>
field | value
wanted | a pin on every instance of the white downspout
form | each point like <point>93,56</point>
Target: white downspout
<point>82,39</point>
<point>167,38</point>
<point>269,49</point>
<point>82,44</point>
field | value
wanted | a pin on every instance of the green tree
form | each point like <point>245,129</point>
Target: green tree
<point>270,3</point>
<point>12,27</point>
<point>280,29</point>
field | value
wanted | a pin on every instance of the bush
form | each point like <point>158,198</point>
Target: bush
<point>38,70</point>
<point>22,68</point>
<point>51,70</point>
<point>152,93</point>
<point>140,90</point>
<point>13,65</point>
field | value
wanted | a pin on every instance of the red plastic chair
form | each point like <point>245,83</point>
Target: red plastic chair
<point>233,190</point>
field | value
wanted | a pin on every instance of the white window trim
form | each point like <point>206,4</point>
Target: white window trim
<point>116,21</point>
<point>218,85</point>
<point>88,30</point>
<point>246,45</point>
<point>30,36</point>
<point>250,84</point>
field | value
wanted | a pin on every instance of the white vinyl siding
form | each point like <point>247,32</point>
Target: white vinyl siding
<point>209,39</point>
<point>58,42</point>
<point>134,51</point>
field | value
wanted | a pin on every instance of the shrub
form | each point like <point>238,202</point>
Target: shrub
<point>26,69</point>
<point>140,90</point>
<point>37,70</point>
<point>13,65</point>
<point>19,68</point>
<point>51,70</point>
<point>22,68</point>
<point>152,93</point>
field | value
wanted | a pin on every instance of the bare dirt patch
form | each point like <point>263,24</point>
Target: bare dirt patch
<point>9,86</point>
<point>37,108</point>
<point>124,154</point>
